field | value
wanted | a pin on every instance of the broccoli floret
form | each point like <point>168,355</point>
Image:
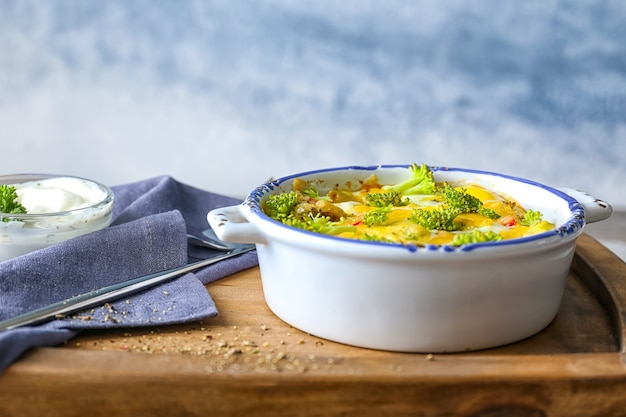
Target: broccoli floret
<point>314,194</point>
<point>455,202</point>
<point>318,224</point>
<point>487,212</point>
<point>421,182</point>
<point>311,192</point>
<point>280,206</point>
<point>377,217</point>
<point>460,200</point>
<point>475,236</point>
<point>531,217</point>
<point>440,218</point>
<point>463,202</point>
<point>391,198</point>
<point>9,203</point>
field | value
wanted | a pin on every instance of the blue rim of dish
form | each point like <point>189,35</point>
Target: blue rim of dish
<point>572,226</point>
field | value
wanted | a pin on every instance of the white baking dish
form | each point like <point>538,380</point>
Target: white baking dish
<point>407,298</point>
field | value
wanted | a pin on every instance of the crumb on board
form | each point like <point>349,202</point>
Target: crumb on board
<point>231,349</point>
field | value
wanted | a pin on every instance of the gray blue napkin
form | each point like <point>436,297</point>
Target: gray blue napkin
<point>151,219</point>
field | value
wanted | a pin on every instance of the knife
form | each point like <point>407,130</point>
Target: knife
<point>111,292</point>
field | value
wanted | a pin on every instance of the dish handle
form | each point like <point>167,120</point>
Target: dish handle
<point>595,209</point>
<point>231,226</point>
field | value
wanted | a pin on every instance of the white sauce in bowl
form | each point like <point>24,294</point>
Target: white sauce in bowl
<point>54,195</point>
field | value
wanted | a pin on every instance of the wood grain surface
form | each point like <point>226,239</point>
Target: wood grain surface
<point>248,362</point>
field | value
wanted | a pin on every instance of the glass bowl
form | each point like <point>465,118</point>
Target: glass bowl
<point>63,207</point>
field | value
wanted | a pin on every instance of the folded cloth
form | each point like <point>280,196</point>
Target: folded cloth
<point>151,219</point>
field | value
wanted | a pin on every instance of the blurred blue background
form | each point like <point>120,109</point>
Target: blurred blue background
<point>224,94</point>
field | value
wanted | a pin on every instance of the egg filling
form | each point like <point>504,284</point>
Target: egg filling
<point>418,211</point>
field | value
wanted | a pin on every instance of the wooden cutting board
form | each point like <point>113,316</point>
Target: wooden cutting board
<point>249,362</point>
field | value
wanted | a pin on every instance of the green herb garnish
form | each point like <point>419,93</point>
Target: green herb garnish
<point>9,203</point>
